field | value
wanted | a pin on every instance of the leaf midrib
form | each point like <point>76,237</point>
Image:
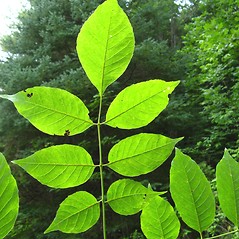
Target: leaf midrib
<point>105,54</point>
<point>136,155</point>
<point>192,196</point>
<point>55,111</point>
<point>59,164</point>
<point>131,195</point>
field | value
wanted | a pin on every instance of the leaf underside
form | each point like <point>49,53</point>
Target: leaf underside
<point>9,199</point>
<point>76,214</point>
<point>227,178</point>
<point>105,44</point>
<point>139,104</point>
<point>140,154</point>
<point>158,220</point>
<point>52,110</point>
<point>191,193</point>
<point>61,166</point>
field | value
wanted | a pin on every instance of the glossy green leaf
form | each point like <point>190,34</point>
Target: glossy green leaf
<point>77,213</point>
<point>139,104</point>
<point>140,154</point>
<point>9,199</point>
<point>61,166</point>
<point>158,220</point>
<point>52,110</point>
<point>227,178</point>
<point>127,197</point>
<point>191,193</point>
<point>105,44</point>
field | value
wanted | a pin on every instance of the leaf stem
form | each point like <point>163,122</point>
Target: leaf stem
<point>224,234</point>
<point>101,165</point>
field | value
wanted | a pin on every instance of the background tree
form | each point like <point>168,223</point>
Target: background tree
<point>211,47</point>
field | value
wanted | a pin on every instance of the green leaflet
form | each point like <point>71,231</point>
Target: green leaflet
<point>191,193</point>
<point>61,166</point>
<point>105,45</point>
<point>52,110</point>
<point>77,213</point>
<point>227,178</point>
<point>140,154</point>
<point>139,104</point>
<point>9,200</point>
<point>127,197</point>
<point>158,220</point>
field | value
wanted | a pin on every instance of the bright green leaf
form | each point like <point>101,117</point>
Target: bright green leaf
<point>127,197</point>
<point>105,44</point>
<point>61,166</point>
<point>140,154</point>
<point>77,213</point>
<point>191,193</point>
<point>227,178</point>
<point>139,104</point>
<point>52,110</point>
<point>9,200</point>
<point>158,220</point>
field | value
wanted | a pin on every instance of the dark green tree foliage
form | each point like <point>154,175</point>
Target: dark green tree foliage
<point>211,47</point>
<point>42,52</point>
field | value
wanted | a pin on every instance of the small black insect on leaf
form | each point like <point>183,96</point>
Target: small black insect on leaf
<point>24,91</point>
<point>29,95</point>
<point>67,132</point>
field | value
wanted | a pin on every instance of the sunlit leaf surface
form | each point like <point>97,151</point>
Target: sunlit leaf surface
<point>139,104</point>
<point>77,213</point>
<point>9,199</point>
<point>59,166</point>
<point>52,110</point>
<point>105,44</point>
<point>227,178</point>
<point>191,193</point>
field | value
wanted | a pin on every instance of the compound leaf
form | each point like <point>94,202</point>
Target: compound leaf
<point>227,178</point>
<point>9,199</point>
<point>76,214</point>
<point>61,166</point>
<point>127,197</point>
<point>52,110</point>
<point>191,192</point>
<point>139,104</point>
<point>105,44</point>
<point>158,220</point>
<point>140,154</point>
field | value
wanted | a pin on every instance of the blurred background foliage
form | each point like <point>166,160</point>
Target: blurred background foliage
<point>196,42</point>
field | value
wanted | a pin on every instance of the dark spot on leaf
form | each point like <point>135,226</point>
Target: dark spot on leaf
<point>29,95</point>
<point>67,132</point>
<point>24,91</point>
